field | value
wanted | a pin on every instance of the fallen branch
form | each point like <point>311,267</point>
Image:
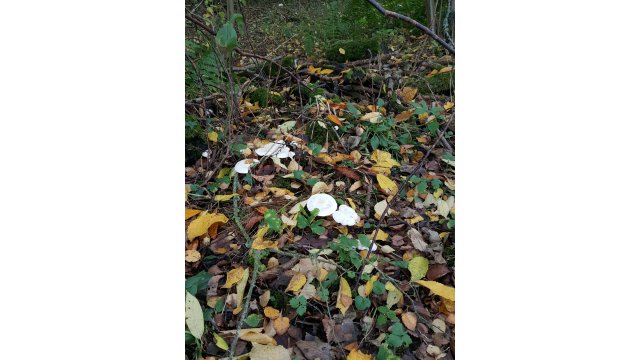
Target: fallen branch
<point>409,20</point>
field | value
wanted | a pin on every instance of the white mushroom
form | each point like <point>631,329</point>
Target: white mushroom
<point>346,216</point>
<point>275,149</point>
<point>242,166</point>
<point>323,202</point>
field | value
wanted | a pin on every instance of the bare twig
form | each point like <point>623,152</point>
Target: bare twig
<point>409,20</point>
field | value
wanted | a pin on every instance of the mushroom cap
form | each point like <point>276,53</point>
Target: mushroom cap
<point>323,202</point>
<point>242,166</point>
<point>346,216</point>
<point>278,149</point>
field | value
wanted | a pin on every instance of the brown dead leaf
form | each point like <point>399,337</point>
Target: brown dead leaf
<point>348,172</point>
<point>409,320</point>
<point>408,93</point>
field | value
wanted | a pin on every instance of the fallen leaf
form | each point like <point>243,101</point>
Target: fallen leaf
<point>320,187</point>
<point>445,69</point>
<point>341,51</point>
<point>263,339</point>
<point>394,296</point>
<point>233,277</point>
<point>408,93</point>
<point>358,355</point>
<point>192,255</point>
<point>417,240</point>
<point>409,320</point>
<point>281,325</point>
<point>259,243</point>
<point>439,289</point>
<point>271,313</point>
<point>368,287</point>
<point>381,236</point>
<point>348,172</point>
<point>443,208</point>
<point>220,342</point>
<point>240,290</point>
<point>334,119</point>
<point>225,197</point>
<point>388,186</point>
<point>373,117</point>
<point>200,225</point>
<point>264,298</point>
<point>418,266</point>
<point>265,352</point>
<point>448,105</point>
<point>404,116</point>
<point>296,283</point>
<point>344,300</point>
<point>189,213</point>
<point>213,136</point>
<point>194,316</point>
<point>384,162</point>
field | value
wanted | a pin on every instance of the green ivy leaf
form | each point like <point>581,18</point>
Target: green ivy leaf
<point>272,219</point>
<point>315,148</point>
<point>253,320</point>
<point>362,303</point>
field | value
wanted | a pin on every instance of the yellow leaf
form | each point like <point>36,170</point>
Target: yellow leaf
<point>233,277</point>
<point>213,136</point>
<point>408,93</point>
<point>384,162</point>
<point>264,298</point>
<point>220,342</point>
<point>341,51</point>
<point>189,213</point>
<point>433,72</point>
<point>394,296</point>
<point>280,192</point>
<point>242,284</point>
<point>259,243</point>
<point>418,267</point>
<point>334,119</point>
<point>325,71</point>
<point>271,313</point>
<point>265,352</point>
<point>368,287</point>
<point>312,69</point>
<point>225,197</point>
<point>445,69</point>
<point>297,282</point>
<point>387,185</point>
<point>358,355</point>
<point>259,338</point>
<point>409,320</point>
<point>448,105</point>
<point>415,219</point>
<point>192,255</point>
<point>344,300</point>
<point>200,225</point>
<point>442,290</point>
<point>281,325</point>
<point>382,236</point>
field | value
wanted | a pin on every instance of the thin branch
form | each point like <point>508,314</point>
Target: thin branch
<point>409,20</point>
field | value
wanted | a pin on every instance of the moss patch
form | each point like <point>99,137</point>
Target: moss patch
<point>264,97</point>
<point>353,49</point>
<point>318,134</point>
<point>439,83</point>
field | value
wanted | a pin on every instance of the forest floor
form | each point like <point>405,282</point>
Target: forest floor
<point>369,144</point>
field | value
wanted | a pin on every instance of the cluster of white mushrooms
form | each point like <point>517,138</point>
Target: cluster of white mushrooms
<point>275,150</point>
<point>343,215</point>
<point>325,203</point>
